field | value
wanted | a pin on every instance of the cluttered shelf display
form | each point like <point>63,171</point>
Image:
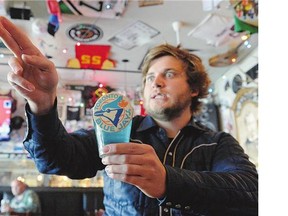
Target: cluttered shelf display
<point>15,162</point>
<point>20,165</point>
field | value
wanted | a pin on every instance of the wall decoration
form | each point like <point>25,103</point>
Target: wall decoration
<point>68,98</point>
<point>246,16</point>
<point>90,94</point>
<point>104,9</point>
<point>215,29</point>
<point>108,64</point>
<point>239,48</point>
<point>227,86</point>
<point>55,17</point>
<point>85,32</point>
<point>92,56</point>
<point>73,113</point>
<point>252,74</point>
<point>22,13</point>
<point>245,108</point>
<point>134,35</point>
<point>53,25</point>
<point>227,120</point>
<point>5,117</point>
<point>143,3</point>
<point>8,93</point>
<point>208,116</point>
<point>73,63</point>
<point>237,83</point>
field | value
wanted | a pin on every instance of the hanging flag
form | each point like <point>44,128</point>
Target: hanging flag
<point>55,16</point>
<point>53,8</point>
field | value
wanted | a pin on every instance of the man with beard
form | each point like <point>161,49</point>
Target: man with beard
<point>172,166</point>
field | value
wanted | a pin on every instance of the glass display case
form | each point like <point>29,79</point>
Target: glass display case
<point>16,163</point>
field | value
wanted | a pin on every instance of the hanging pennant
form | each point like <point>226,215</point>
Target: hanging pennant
<point>55,16</point>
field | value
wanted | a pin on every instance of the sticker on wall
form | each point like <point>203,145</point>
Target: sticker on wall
<point>85,33</point>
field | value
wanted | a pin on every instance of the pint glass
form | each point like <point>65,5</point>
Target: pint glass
<point>112,117</point>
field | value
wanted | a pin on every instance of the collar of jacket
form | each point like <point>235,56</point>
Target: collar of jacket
<point>148,122</point>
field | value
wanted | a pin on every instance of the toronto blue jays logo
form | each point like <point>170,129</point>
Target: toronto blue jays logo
<point>112,112</point>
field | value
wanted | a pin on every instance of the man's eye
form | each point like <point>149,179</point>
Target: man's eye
<point>149,78</point>
<point>169,75</point>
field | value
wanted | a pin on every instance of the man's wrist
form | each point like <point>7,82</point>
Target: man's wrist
<point>42,109</point>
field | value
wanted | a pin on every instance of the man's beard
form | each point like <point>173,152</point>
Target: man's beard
<point>169,113</point>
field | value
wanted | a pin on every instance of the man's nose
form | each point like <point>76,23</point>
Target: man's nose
<point>158,82</point>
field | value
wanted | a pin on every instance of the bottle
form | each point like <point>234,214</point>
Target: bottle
<point>5,203</point>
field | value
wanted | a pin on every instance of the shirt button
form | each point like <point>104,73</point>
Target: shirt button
<point>168,203</point>
<point>178,206</point>
<point>166,210</point>
<point>187,208</point>
<point>170,153</point>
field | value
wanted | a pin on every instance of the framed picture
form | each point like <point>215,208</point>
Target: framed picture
<point>245,108</point>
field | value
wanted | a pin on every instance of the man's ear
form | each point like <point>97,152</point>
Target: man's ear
<point>194,93</point>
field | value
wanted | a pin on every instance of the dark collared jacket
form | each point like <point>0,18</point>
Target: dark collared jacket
<point>207,172</point>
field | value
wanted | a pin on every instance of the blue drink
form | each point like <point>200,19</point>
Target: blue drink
<point>112,117</point>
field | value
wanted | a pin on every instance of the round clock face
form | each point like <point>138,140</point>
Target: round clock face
<point>237,83</point>
<point>85,33</point>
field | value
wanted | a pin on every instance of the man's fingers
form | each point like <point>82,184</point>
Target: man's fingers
<point>9,42</point>
<point>19,83</point>
<point>126,148</point>
<point>131,169</point>
<point>15,65</point>
<point>38,61</point>
<point>15,39</point>
<point>123,159</point>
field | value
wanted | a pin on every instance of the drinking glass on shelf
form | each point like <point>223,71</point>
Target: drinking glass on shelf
<point>5,204</point>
